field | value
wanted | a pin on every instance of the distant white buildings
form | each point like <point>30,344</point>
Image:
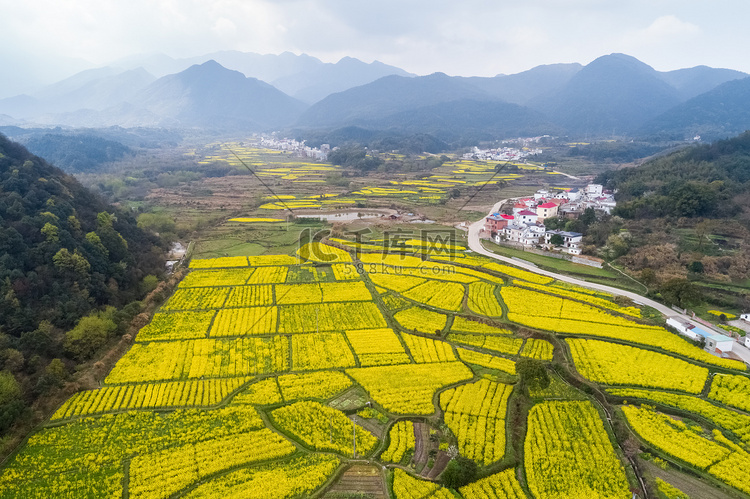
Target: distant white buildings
<point>501,154</point>
<point>296,147</point>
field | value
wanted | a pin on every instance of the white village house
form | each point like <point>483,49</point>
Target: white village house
<point>714,341</point>
<point>571,240</point>
<point>526,225</point>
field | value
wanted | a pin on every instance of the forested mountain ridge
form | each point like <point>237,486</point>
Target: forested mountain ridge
<point>62,249</point>
<point>700,181</point>
<point>64,255</point>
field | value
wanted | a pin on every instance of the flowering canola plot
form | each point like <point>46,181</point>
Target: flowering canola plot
<point>465,325</point>
<point>192,359</point>
<point>323,428</point>
<point>163,473</point>
<point>503,485</point>
<point>377,347</point>
<point>504,344</point>
<point>482,299</point>
<point>320,351</point>
<point>426,350</point>
<point>420,319</point>
<point>222,277</point>
<point>201,393</point>
<point>250,296</point>
<point>476,415</point>
<point>438,294</point>
<point>83,458</point>
<point>731,390</point>
<point>177,326</point>
<point>408,389</point>
<point>402,441</point>
<point>718,456</point>
<point>736,422</point>
<point>567,453</point>
<point>584,297</point>
<point>241,362</point>
<point>406,486</point>
<point>543,311</point>
<point>279,480</point>
<point>614,364</point>
<point>537,349</point>
<point>244,321</point>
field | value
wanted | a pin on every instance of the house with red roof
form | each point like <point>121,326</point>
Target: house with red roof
<point>527,217</point>
<point>546,210</point>
<point>497,222</point>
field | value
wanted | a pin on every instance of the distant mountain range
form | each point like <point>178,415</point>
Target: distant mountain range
<point>244,92</point>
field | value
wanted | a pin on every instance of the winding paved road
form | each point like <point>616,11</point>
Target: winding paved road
<point>476,245</point>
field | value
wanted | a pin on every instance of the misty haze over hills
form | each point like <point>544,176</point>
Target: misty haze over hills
<point>233,91</point>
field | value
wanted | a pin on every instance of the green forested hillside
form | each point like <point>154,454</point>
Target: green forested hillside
<point>684,222</point>
<point>701,181</point>
<point>64,254</point>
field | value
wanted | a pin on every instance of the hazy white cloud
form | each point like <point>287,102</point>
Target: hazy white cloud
<point>667,28</point>
<point>671,26</point>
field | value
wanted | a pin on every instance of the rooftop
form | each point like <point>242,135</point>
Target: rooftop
<point>710,334</point>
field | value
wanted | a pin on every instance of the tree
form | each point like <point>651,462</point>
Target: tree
<point>696,267</point>
<point>51,233</point>
<point>553,223</point>
<point>588,216</point>
<point>160,223</point>
<point>648,276</point>
<point>459,472</point>
<point>702,231</point>
<point>532,374</point>
<point>149,283</point>
<point>38,341</point>
<point>57,369</point>
<point>617,245</point>
<point>12,360</point>
<point>680,292</point>
<point>11,403</point>
<point>73,263</point>
<point>54,376</point>
<point>693,199</point>
<point>556,240</point>
<point>88,336</point>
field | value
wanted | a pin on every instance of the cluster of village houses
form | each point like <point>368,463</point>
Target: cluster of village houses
<point>299,149</point>
<point>525,225</point>
<point>500,154</point>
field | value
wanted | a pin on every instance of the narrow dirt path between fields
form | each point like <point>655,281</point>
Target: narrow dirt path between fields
<point>690,485</point>
<point>359,480</point>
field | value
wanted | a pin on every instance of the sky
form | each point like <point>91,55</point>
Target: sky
<point>45,40</point>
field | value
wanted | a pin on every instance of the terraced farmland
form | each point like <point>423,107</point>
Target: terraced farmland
<point>239,381</point>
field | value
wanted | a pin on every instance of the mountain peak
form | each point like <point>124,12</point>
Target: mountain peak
<point>618,60</point>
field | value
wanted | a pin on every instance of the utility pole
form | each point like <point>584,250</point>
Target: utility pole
<point>354,438</point>
<point>317,322</point>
